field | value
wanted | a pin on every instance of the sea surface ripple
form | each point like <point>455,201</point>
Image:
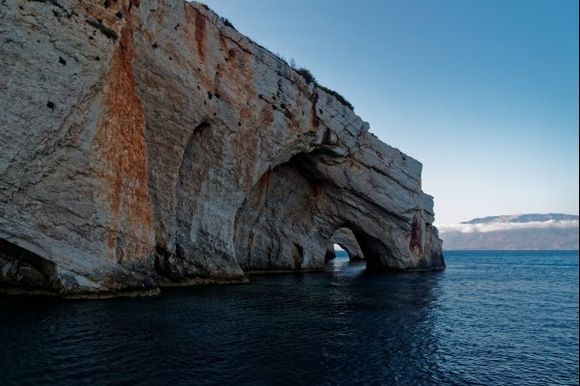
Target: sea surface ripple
<point>492,318</point>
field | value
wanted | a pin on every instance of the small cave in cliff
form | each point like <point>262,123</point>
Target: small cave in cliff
<point>24,270</point>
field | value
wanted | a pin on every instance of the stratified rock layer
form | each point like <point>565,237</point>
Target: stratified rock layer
<point>147,143</point>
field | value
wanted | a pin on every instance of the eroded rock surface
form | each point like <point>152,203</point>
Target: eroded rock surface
<point>145,143</point>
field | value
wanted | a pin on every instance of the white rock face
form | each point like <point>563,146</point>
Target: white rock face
<point>147,143</point>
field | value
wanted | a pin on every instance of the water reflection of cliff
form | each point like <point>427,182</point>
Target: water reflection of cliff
<point>341,327</point>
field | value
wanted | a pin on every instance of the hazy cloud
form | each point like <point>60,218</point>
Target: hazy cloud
<point>483,228</point>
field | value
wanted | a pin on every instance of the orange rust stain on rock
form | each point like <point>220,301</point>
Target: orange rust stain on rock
<point>316,191</point>
<point>266,117</point>
<point>246,115</point>
<point>263,183</point>
<point>120,145</point>
<point>194,33</point>
<point>352,163</point>
<point>223,43</point>
<point>200,34</point>
<point>236,79</point>
<point>251,122</point>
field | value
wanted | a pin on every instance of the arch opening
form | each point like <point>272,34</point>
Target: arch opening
<point>344,256</point>
<point>343,242</point>
<point>297,211</point>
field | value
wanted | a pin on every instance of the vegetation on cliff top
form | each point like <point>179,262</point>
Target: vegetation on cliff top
<point>304,72</point>
<point>309,78</point>
<point>227,22</point>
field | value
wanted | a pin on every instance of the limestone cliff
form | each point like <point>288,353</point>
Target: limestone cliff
<point>146,143</point>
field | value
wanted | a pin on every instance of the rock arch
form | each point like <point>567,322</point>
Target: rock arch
<point>232,160</point>
<point>347,241</point>
<point>302,203</point>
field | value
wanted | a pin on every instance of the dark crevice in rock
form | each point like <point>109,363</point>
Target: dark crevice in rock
<point>298,256</point>
<point>106,31</point>
<point>51,2</point>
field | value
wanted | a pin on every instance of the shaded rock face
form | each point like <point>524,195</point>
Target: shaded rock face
<point>146,144</point>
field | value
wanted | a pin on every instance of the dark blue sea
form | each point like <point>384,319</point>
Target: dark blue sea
<point>492,318</point>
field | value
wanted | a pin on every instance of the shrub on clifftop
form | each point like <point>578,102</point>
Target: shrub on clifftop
<point>307,75</point>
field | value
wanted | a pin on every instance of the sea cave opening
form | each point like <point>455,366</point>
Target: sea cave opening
<point>343,251</point>
<point>297,211</point>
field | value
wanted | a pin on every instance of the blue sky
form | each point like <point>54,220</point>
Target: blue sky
<point>484,93</point>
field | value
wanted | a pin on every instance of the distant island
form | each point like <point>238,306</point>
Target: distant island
<point>551,231</point>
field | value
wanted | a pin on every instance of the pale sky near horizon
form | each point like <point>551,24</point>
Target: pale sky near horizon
<point>484,93</point>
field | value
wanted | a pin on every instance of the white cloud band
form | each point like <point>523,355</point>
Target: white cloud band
<point>470,228</point>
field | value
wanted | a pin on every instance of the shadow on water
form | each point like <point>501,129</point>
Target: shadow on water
<point>337,327</point>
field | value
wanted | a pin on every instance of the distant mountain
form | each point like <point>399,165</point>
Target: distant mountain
<point>552,231</point>
<point>523,218</point>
